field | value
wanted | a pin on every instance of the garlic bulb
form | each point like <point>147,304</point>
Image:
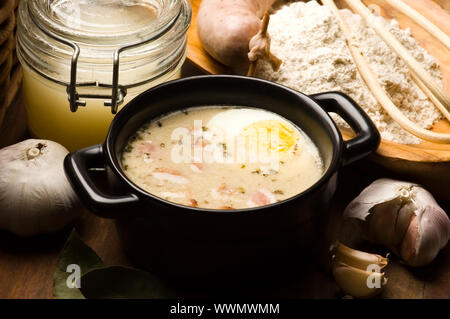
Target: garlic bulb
<point>403,217</point>
<point>35,196</point>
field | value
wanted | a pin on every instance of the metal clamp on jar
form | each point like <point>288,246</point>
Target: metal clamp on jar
<point>84,59</point>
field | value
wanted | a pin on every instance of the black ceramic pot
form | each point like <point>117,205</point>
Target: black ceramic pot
<point>183,241</point>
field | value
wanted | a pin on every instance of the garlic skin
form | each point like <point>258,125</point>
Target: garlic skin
<point>35,196</point>
<point>403,217</point>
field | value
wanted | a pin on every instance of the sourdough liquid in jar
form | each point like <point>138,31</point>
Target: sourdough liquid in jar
<point>72,49</point>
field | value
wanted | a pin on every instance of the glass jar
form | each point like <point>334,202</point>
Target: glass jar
<point>84,59</point>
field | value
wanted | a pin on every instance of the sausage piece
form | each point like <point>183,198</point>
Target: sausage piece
<point>225,28</point>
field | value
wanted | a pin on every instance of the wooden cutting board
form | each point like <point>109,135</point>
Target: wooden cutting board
<point>427,162</point>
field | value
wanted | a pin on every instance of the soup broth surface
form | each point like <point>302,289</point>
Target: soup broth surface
<point>222,158</point>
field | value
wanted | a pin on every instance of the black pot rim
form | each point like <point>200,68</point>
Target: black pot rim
<point>120,119</point>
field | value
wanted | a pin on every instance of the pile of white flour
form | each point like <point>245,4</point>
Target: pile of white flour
<point>307,37</point>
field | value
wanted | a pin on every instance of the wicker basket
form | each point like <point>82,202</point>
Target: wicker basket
<point>10,70</point>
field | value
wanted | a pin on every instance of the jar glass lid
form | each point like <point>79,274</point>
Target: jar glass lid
<point>114,22</point>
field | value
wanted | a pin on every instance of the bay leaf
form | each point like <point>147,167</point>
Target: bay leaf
<point>118,282</point>
<point>78,254</point>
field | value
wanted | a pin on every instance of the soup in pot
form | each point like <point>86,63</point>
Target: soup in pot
<point>222,158</point>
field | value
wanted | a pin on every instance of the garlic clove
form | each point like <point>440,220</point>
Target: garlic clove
<point>356,282</point>
<point>408,250</point>
<point>356,258</point>
<point>404,217</point>
<point>427,234</point>
<point>381,218</point>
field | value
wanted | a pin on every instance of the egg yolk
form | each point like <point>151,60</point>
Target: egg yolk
<point>274,135</point>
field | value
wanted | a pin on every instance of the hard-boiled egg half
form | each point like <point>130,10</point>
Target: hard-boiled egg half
<point>268,130</point>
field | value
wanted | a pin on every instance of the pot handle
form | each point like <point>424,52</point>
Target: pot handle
<point>76,166</point>
<point>368,137</point>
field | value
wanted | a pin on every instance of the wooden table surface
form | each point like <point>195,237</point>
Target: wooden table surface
<point>27,265</point>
